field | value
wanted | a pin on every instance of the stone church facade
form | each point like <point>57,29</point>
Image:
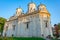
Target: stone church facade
<point>33,23</point>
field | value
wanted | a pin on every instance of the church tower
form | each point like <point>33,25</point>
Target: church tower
<point>45,20</point>
<point>18,11</point>
<point>31,7</point>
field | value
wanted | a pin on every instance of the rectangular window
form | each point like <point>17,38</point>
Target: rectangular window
<point>6,28</point>
<point>27,25</point>
<point>13,27</point>
<point>46,24</point>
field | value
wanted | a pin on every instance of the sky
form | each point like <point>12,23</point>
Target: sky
<point>8,8</point>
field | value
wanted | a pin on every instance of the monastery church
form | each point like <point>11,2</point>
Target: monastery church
<point>35,22</point>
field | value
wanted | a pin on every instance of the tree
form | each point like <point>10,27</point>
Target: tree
<point>57,29</point>
<point>2,22</point>
<point>59,26</point>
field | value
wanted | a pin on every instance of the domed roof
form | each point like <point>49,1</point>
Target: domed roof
<point>19,10</point>
<point>42,5</point>
<point>31,4</point>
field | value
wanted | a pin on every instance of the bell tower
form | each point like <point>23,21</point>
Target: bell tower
<point>45,20</point>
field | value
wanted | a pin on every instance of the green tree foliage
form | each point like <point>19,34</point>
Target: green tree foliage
<point>2,22</point>
<point>59,26</point>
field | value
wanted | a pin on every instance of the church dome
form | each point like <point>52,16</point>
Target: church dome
<point>31,7</point>
<point>18,11</point>
<point>41,7</point>
<point>43,10</point>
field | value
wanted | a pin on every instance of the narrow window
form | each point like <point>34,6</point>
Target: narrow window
<point>27,25</point>
<point>13,27</point>
<point>34,9</point>
<point>5,35</point>
<point>12,35</point>
<point>46,24</point>
<point>30,9</point>
<point>6,28</point>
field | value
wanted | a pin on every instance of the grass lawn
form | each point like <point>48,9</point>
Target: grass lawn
<point>21,38</point>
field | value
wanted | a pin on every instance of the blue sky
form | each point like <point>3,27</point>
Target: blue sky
<point>8,8</point>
